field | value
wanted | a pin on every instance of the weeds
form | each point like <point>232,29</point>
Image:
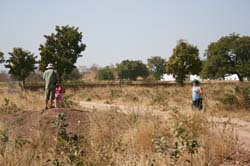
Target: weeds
<point>67,144</point>
<point>113,138</point>
<point>68,102</point>
<point>239,97</point>
<point>9,107</point>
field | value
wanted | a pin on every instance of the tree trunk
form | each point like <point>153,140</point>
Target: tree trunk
<point>21,84</point>
<point>240,77</point>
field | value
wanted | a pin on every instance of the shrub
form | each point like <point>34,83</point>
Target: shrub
<point>229,99</point>
<point>67,144</point>
<point>239,97</point>
<point>105,74</point>
<point>68,102</point>
<point>245,92</point>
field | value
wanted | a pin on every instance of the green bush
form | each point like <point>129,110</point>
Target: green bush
<point>68,102</point>
<point>246,97</point>
<point>229,99</point>
<point>239,97</point>
<point>105,74</point>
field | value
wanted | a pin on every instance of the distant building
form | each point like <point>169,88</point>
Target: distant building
<point>168,77</point>
<point>231,77</point>
<point>192,77</point>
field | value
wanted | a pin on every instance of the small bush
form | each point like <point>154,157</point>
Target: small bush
<point>246,97</point>
<point>239,97</point>
<point>229,99</point>
<point>105,74</point>
<point>67,143</point>
<point>68,102</point>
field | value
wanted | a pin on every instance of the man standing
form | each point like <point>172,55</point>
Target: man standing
<point>50,77</point>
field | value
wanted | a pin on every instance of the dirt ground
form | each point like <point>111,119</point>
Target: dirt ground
<point>28,124</point>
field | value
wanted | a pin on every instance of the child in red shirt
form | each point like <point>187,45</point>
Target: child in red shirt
<point>59,96</point>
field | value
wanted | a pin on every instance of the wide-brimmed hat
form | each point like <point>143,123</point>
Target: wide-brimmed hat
<point>50,66</point>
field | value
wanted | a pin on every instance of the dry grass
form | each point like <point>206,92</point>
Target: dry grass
<point>115,138</point>
<point>165,98</point>
<point>119,139</point>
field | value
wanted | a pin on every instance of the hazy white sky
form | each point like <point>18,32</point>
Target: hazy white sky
<point>115,30</point>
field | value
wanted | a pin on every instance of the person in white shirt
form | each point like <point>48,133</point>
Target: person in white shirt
<point>196,95</point>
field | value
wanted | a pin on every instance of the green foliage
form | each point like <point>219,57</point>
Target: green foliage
<point>68,101</point>
<point>157,67</point>
<point>21,63</point>
<point>160,144</point>
<point>74,75</point>
<point>184,60</point>
<point>229,55</point>
<point>2,60</point>
<point>106,73</point>
<point>187,131</point>
<point>67,144</point>
<point>185,134</point>
<point>130,69</point>
<point>239,98</point>
<point>245,92</point>
<point>62,48</point>
<point>229,99</point>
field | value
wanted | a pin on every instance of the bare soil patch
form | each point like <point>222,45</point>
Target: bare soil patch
<point>28,124</point>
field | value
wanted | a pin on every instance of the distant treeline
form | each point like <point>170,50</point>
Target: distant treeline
<point>228,55</point>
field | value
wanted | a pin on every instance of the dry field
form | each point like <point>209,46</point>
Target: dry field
<point>126,126</point>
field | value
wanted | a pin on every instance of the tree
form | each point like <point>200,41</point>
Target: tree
<point>74,75</point>
<point>21,63</point>
<point>106,73</point>
<point>129,69</point>
<point>184,60</point>
<point>62,49</point>
<point>2,60</point>
<point>157,67</point>
<point>229,55</point>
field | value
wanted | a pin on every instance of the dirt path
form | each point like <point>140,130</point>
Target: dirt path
<point>241,127</point>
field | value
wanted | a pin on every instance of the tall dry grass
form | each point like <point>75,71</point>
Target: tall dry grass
<point>115,138</point>
<point>120,139</point>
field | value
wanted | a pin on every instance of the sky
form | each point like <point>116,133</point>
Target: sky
<point>115,30</point>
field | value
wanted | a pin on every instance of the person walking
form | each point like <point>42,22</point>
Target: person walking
<point>50,77</point>
<point>196,95</point>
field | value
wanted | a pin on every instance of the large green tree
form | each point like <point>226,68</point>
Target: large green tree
<point>131,69</point>
<point>62,49</point>
<point>229,55</point>
<point>184,60</point>
<point>2,60</point>
<point>157,66</point>
<point>21,63</point>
